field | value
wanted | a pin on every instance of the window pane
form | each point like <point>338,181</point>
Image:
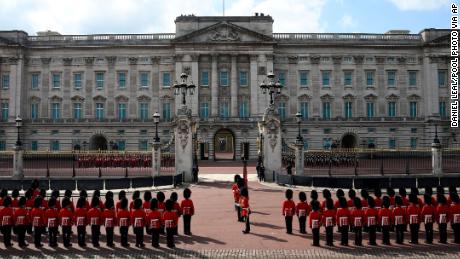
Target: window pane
<point>5,111</point>
<point>122,111</point>
<point>144,78</point>
<point>56,80</point>
<point>412,78</point>
<point>34,111</point>
<point>77,80</point>
<point>143,111</point>
<point>326,110</point>
<point>391,78</point>
<point>348,75</point>
<point>121,79</point>
<point>35,81</point>
<point>282,78</point>
<point>223,78</point>
<point>166,79</point>
<point>325,77</point>
<point>167,111</point>
<point>5,81</point>
<point>442,78</point>
<point>370,78</point>
<point>204,112</point>
<point>370,110</point>
<point>99,80</point>
<point>304,110</point>
<point>303,78</point>
<point>243,78</point>
<point>204,78</point>
<point>413,109</point>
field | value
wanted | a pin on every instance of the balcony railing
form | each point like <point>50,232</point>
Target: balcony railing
<point>104,37</point>
<point>345,37</point>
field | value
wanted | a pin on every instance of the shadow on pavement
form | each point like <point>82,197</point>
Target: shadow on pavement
<point>198,239</point>
<point>265,225</point>
<point>268,237</point>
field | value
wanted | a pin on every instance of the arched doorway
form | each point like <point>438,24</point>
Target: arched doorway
<point>98,142</point>
<point>349,140</point>
<point>224,145</point>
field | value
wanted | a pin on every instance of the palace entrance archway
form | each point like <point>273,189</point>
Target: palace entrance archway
<point>349,140</point>
<point>98,142</point>
<point>224,145</point>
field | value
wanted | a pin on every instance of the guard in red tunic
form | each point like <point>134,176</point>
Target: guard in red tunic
<point>413,217</point>
<point>56,194</point>
<point>97,194</point>
<point>405,200</point>
<point>236,196</point>
<point>94,216</point>
<point>314,221</point>
<point>351,200</point>
<point>52,221</point>
<point>154,222</point>
<point>14,199</point>
<point>37,216</point>
<point>339,193</point>
<point>68,194</point>
<point>81,221</point>
<point>302,209</point>
<point>455,216</point>
<point>442,218</point>
<point>44,205</point>
<point>123,217</point>
<point>29,206</point>
<point>66,219</point>
<point>21,220</point>
<point>121,196</point>
<point>329,220</point>
<point>3,195</point>
<point>326,195</point>
<point>138,220</point>
<point>174,197</point>
<point>428,216</point>
<point>357,221</point>
<point>161,208</point>
<point>245,209</point>
<point>399,219</point>
<point>188,210</point>
<point>288,210</point>
<point>109,220</point>
<point>343,219</point>
<point>370,218</point>
<point>6,217</point>
<point>385,217</point>
<point>146,207</point>
<point>136,195</point>
<point>378,206</point>
<point>170,221</point>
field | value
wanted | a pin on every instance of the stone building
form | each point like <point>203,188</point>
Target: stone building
<point>100,91</point>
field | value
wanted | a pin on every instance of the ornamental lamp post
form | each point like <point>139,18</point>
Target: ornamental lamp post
<point>182,88</point>
<point>298,117</point>
<point>18,126</point>
<point>156,120</point>
<point>271,87</point>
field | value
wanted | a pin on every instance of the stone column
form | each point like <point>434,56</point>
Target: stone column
<point>156,159</point>
<point>18,162</point>
<point>194,101</point>
<point>183,126</point>
<point>67,86</point>
<point>271,130</point>
<point>299,159</point>
<point>234,88</point>
<point>214,87</point>
<point>254,86</point>
<point>436,157</point>
<point>89,86</point>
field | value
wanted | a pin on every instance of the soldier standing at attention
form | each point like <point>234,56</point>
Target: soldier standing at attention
<point>455,216</point>
<point>315,221</point>
<point>357,219</point>
<point>329,221</point>
<point>170,220</point>
<point>146,207</point>
<point>161,208</point>
<point>38,217</point>
<point>302,210</point>
<point>138,219</point>
<point>6,217</point>
<point>371,220</point>
<point>94,215</point>
<point>343,219</point>
<point>188,210</point>
<point>123,221</point>
<point>51,218</point>
<point>236,196</point>
<point>154,222</point>
<point>174,197</point>
<point>109,219</point>
<point>245,209</point>
<point>81,221</point>
<point>385,220</point>
<point>428,213</point>
<point>442,218</point>
<point>65,219</point>
<point>21,220</point>
<point>288,210</point>
<point>413,216</point>
<point>399,219</point>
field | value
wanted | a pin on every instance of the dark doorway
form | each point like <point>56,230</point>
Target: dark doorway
<point>98,142</point>
<point>224,145</point>
<point>349,141</point>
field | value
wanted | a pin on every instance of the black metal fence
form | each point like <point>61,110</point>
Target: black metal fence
<point>6,163</point>
<point>287,155</point>
<point>451,161</point>
<point>367,162</point>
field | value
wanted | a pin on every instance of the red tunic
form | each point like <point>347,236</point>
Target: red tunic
<point>428,214</point>
<point>66,217</point>
<point>170,219</point>
<point>109,218</point>
<point>357,217</point>
<point>413,214</point>
<point>405,202</point>
<point>146,207</point>
<point>385,217</point>
<point>236,193</point>
<point>392,201</point>
<point>161,207</point>
<point>288,208</point>
<point>442,214</point>
<point>138,218</point>
<point>29,205</point>
<point>302,209</point>
<point>244,204</point>
<point>81,217</point>
<point>6,216</point>
<point>314,219</point>
<point>14,203</point>
<point>187,207</point>
<point>37,217</point>
<point>123,217</point>
<point>454,213</point>
<point>44,205</point>
<point>52,218</point>
<point>370,217</point>
<point>337,204</point>
<point>21,217</point>
<point>154,219</point>
<point>343,217</point>
<point>94,216</point>
<point>351,204</point>
<point>177,209</point>
<point>378,202</point>
<point>364,204</point>
<point>399,216</point>
<point>328,218</point>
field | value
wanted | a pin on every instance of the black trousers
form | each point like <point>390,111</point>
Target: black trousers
<point>344,235</point>
<point>38,235</point>
<point>414,228</point>
<point>238,213</point>
<point>456,228</point>
<point>400,233</point>
<point>29,229</point>
<point>442,233</point>
<point>329,236</point>
<point>302,224</point>
<point>187,220</point>
<point>429,233</point>
<point>170,237</point>
<point>155,237</point>
<point>124,236</point>
<point>247,224</point>
<point>315,232</point>
<point>95,233</point>
<point>109,235</point>
<point>372,235</point>
<point>358,235</point>
<point>21,232</point>
<point>288,220</point>
<point>139,231</point>
<point>66,234</point>
<point>81,234</point>
<point>52,236</point>
<point>386,235</point>
<point>6,231</point>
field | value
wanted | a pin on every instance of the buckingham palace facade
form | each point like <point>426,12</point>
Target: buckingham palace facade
<point>100,91</point>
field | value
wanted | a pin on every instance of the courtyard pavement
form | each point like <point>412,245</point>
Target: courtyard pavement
<point>217,234</point>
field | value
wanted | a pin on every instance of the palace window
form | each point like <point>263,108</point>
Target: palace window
<point>34,111</point>
<point>348,110</point>
<point>413,109</point>
<point>77,114</point>
<point>392,143</point>
<point>391,78</point>
<point>223,78</point>
<point>370,78</point>
<point>282,78</point>
<point>325,75</point>
<point>244,109</point>
<point>99,111</point>
<point>204,79</point>
<point>413,143</point>
<point>412,78</point>
<point>35,81</point>
<point>5,111</point>
<point>304,110</point>
<point>204,110</point>
<point>224,110</point>
<point>56,111</point>
<point>167,111</point>
<point>121,79</point>
<point>143,145</point>
<point>55,145</point>
<point>348,78</point>
<point>56,77</point>
<point>6,81</point>
<point>34,145</point>
<point>243,78</point>
<point>77,80</point>
<point>391,109</point>
<point>282,110</point>
<point>144,111</point>
<point>370,109</point>
<point>303,77</point>
<point>122,111</point>
<point>144,79</point>
<point>99,80</point>
<point>442,109</point>
<point>326,110</point>
<point>442,78</point>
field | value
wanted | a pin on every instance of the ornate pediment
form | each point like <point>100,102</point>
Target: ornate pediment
<point>77,98</point>
<point>144,98</point>
<point>413,97</point>
<point>370,96</point>
<point>223,32</point>
<point>392,97</point>
<point>121,98</point>
<point>304,97</point>
<point>99,98</point>
<point>56,98</point>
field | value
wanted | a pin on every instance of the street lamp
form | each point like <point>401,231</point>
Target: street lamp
<point>298,117</point>
<point>183,88</point>
<point>271,87</point>
<point>156,120</point>
<point>18,126</point>
<point>436,139</point>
